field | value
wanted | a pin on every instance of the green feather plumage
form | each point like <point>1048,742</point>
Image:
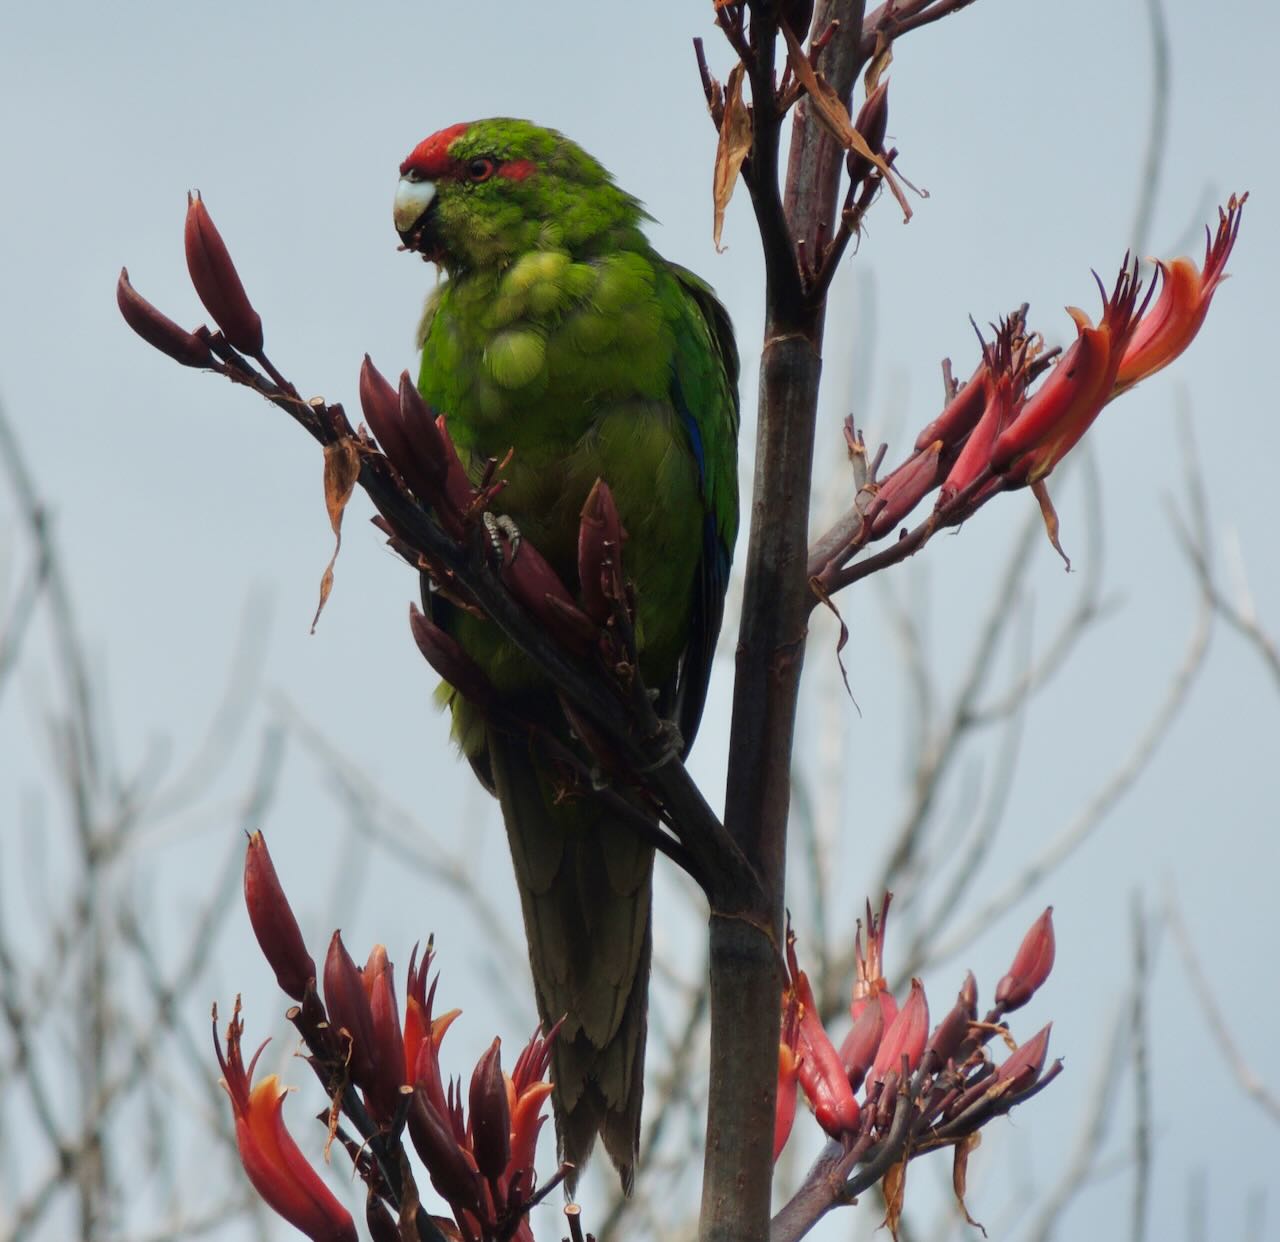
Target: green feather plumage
<point>562,335</point>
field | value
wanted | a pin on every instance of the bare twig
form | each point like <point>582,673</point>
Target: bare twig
<point>1139,1054</point>
<point>1158,127</point>
<point>1101,1099</point>
<point>1250,1083</point>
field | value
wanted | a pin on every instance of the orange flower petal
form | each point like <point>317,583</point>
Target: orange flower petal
<point>1185,293</point>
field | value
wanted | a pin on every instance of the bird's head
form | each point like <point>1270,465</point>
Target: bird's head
<point>477,195</point>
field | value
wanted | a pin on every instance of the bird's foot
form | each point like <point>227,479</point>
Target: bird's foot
<point>667,744</point>
<point>504,536</point>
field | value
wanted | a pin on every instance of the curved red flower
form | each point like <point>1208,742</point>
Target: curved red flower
<point>1185,293</point>
<point>278,1170</point>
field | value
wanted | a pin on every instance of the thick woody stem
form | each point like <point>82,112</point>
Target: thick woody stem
<point>745,951</point>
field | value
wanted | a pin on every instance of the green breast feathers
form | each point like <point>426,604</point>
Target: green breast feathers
<point>605,368</point>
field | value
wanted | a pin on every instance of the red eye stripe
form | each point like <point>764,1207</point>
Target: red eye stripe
<point>517,170</point>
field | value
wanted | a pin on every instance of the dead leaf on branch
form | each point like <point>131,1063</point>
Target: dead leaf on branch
<point>835,116</point>
<point>1050,515</point>
<point>960,1173</point>
<point>341,470</point>
<point>815,585</point>
<point>731,149</point>
<point>881,59</point>
<point>894,1188</point>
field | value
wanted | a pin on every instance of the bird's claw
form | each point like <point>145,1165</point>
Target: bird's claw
<point>668,743</point>
<point>504,536</point>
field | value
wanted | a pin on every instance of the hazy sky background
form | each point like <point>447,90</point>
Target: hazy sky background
<point>178,502</point>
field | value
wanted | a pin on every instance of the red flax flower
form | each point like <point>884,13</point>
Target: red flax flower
<point>869,982</point>
<point>1052,422</point>
<point>821,1071</point>
<point>527,1090</point>
<point>1185,293</point>
<point>278,1170</point>
<point>423,1034</point>
<point>904,1038</point>
<point>1003,380</point>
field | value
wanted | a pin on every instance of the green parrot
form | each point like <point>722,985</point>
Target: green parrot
<point>560,334</point>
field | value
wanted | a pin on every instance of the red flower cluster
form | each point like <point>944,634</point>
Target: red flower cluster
<point>946,1076</point>
<point>995,434</point>
<point>480,1158</point>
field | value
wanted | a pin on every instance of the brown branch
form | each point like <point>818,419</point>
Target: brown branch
<point>894,19</point>
<point>745,981</point>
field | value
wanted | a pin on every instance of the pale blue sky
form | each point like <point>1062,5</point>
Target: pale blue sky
<point>176,498</point>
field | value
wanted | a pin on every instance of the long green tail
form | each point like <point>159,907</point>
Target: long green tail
<point>586,886</point>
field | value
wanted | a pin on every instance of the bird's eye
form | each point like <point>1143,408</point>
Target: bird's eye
<point>481,169</point>
<point>413,175</point>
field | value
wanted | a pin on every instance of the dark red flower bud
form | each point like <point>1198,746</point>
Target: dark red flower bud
<point>906,487</point>
<point>381,408</point>
<point>490,1114</point>
<point>600,538</point>
<point>217,282</point>
<point>529,577</point>
<point>1022,1069</point>
<point>872,124</point>
<point>859,1048</point>
<point>158,330</point>
<point>960,415</point>
<point>1031,965</point>
<point>447,657</point>
<point>905,1037</point>
<point>950,1033</point>
<point>426,449</point>
<point>276,929</point>
<point>348,1004</point>
<point>451,1170</point>
<point>458,489</point>
<point>388,1044</point>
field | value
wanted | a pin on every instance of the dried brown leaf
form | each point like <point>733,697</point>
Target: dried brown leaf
<point>881,59</point>
<point>815,585</point>
<point>894,1187</point>
<point>960,1172</point>
<point>341,470</point>
<point>835,116</point>
<point>1050,515</point>
<point>731,149</point>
